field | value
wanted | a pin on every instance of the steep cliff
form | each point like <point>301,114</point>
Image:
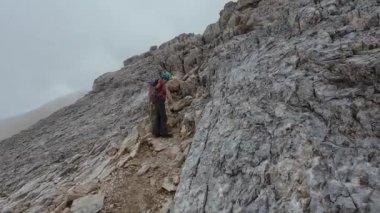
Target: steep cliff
<point>292,121</point>
<point>284,97</point>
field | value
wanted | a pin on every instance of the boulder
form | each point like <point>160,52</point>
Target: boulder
<point>157,145</point>
<point>188,124</point>
<point>174,85</point>
<point>181,104</point>
<point>189,86</point>
<point>173,120</point>
<point>169,185</point>
<point>88,204</point>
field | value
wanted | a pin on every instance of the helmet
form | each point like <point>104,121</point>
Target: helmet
<point>166,76</point>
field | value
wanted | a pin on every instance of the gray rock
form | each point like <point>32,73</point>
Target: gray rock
<point>153,48</point>
<point>144,169</point>
<point>281,131</point>
<point>158,145</point>
<point>168,184</point>
<point>88,204</point>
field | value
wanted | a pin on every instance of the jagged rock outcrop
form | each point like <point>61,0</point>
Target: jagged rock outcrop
<point>292,121</point>
<point>283,100</point>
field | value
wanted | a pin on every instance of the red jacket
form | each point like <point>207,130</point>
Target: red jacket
<point>161,89</point>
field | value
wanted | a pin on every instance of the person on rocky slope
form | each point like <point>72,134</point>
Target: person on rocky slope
<point>159,93</point>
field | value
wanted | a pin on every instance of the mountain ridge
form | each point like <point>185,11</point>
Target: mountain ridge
<point>279,98</point>
<point>13,125</point>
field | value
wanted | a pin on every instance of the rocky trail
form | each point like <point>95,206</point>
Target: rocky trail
<point>145,170</point>
<point>149,181</point>
<point>146,183</point>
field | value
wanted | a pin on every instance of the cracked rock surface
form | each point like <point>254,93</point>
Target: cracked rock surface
<point>292,120</point>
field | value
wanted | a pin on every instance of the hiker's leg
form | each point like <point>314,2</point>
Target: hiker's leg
<point>163,119</point>
<point>156,121</point>
<point>161,111</point>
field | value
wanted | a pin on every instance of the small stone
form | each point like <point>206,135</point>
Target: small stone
<point>176,179</point>
<point>157,145</point>
<point>123,162</point>
<point>152,181</point>
<point>144,169</point>
<point>168,184</point>
<point>112,150</point>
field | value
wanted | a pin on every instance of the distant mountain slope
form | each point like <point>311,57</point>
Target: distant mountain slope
<point>13,125</point>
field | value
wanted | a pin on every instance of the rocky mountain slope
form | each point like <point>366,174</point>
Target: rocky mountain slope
<point>284,97</point>
<point>13,125</point>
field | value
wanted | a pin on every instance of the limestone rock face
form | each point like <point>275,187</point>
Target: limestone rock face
<point>282,98</point>
<point>292,121</point>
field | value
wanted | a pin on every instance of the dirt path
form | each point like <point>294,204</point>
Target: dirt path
<point>148,181</point>
<point>138,187</point>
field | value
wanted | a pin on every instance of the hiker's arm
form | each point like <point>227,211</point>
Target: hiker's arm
<point>158,84</point>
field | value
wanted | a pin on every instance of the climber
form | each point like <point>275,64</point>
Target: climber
<point>158,94</point>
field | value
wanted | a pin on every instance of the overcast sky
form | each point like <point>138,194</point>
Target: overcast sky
<point>51,48</point>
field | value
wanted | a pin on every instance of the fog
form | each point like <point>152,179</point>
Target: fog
<point>52,48</point>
